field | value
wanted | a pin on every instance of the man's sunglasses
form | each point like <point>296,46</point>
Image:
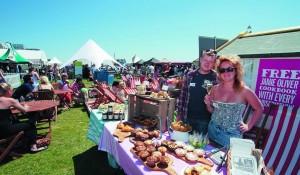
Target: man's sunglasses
<point>228,69</point>
<point>210,51</point>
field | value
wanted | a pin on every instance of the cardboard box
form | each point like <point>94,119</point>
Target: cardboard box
<point>144,106</point>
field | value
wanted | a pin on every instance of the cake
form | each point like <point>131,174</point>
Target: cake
<point>162,150</point>
<point>151,148</point>
<point>191,156</point>
<point>189,148</point>
<point>199,152</point>
<point>180,152</point>
<point>140,148</point>
<point>143,155</point>
<point>139,143</point>
<point>151,160</point>
<point>164,160</point>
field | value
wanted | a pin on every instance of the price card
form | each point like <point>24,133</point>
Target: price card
<point>165,88</point>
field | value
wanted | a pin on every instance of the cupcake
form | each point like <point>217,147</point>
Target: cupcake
<point>148,142</point>
<point>143,155</point>
<point>139,143</point>
<point>140,148</point>
<point>156,154</point>
<point>144,137</point>
<point>162,150</point>
<point>164,160</point>
<point>151,160</point>
<point>151,148</point>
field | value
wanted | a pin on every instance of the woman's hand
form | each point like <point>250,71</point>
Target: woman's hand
<point>208,100</point>
<point>243,127</point>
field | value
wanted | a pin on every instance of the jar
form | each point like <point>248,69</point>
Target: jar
<point>116,115</point>
<point>110,116</point>
<point>104,115</point>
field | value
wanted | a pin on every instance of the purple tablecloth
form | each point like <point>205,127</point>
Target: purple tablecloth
<point>129,163</point>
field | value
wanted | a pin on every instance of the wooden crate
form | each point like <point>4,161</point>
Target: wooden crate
<point>144,106</point>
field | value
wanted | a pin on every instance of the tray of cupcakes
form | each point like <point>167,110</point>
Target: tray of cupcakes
<point>153,156</point>
<point>186,152</point>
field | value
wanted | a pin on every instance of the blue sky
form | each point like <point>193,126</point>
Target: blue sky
<point>160,29</point>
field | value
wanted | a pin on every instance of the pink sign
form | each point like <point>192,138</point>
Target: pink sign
<point>278,82</point>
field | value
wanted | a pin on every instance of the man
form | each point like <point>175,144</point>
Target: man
<point>191,107</point>
<point>22,91</point>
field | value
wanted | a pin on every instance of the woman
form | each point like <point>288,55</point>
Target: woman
<point>56,72</point>
<point>80,92</point>
<point>45,85</point>
<point>118,91</point>
<point>228,101</point>
<point>7,128</point>
<point>35,77</point>
<point>64,84</point>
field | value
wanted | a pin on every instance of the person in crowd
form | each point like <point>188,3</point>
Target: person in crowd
<point>156,72</point>
<point>35,76</point>
<point>190,106</point>
<point>151,69</point>
<point>7,128</point>
<point>50,73</point>
<point>56,73</point>
<point>118,91</point>
<point>2,78</point>
<point>228,101</point>
<point>23,92</point>
<point>64,84</point>
<point>45,84</point>
<point>171,71</point>
<point>162,80</point>
<point>81,94</point>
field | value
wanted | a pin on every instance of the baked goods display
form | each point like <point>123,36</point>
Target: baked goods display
<point>198,169</point>
<point>155,161</point>
<point>185,152</point>
<point>179,126</point>
<point>160,95</point>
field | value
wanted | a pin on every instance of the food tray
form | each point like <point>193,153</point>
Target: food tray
<point>168,169</point>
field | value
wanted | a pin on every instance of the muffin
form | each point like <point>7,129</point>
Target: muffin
<point>148,142</point>
<point>162,150</point>
<point>180,144</point>
<point>164,160</point>
<point>191,156</point>
<point>172,146</point>
<point>151,148</point>
<point>151,160</point>
<point>143,155</point>
<point>140,148</point>
<point>139,134</point>
<point>144,137</point>
<point>189,148</point>
<point>139,143</point>
<point>180,152</point>
<point>199,152</point>
<point>120,125</point>
<point>155,133</point>
<point>165,143</point>
<point>156,154</point>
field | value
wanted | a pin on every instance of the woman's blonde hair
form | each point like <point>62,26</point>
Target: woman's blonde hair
<point>44,80</point>
<point>236,61</point>
<point>4,87</point>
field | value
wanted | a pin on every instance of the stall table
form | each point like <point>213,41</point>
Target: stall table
<point>102,131</point>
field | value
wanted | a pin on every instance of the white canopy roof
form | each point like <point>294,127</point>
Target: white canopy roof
<point>53,61</point>
<point>91,52</point>
<point>135,59</point>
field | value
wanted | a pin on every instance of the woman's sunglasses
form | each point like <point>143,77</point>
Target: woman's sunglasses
<point>228,69</point>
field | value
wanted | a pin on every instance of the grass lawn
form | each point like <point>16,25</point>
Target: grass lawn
<point>69,153</point>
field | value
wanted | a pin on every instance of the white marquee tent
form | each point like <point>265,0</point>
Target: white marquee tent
<point>53,61</point>
<point>91,52</point>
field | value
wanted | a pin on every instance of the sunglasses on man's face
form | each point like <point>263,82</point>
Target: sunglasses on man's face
<point>211,51</point>
<point>228,69</point>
